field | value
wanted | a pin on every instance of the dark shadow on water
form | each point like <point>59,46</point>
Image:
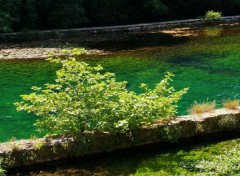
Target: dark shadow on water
<point>110,42</point>
<point>136,41</point>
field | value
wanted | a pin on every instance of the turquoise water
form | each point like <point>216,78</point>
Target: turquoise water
<point>17,77</point>
<point>209,64</point>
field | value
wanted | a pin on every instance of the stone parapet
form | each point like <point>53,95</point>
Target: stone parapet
<point>34,151</point>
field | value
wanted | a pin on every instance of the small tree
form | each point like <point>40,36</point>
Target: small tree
<point>83,98</point>
<point>5,22</point>
<point>9,14</point>
<point>212,16</point>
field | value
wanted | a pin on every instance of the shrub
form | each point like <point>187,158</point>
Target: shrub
<point>64,14</point>
<point>200,108</point>
<point>5,22</point>
<point>38,145</point>
<point>231,104</point>
<point>29,14</point>
<point>83,98</point>
<point>9,14</point>
<point>212,16</point>
<point>98,10</point>
<point>154,8</point>
<point>2,171</point>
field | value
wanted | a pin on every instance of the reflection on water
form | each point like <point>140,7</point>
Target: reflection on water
<point>212,31</point>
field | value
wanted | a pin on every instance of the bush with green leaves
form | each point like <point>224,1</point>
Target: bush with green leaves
<point>84,98</point>
<point>212,16</point>
<point>2,171</point>
<point>5,22</point>
<point>18,15</point>
<point>9,14</point>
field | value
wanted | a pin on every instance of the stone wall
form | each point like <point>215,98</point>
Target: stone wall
<point>29,152</point>
<point>89,33</point>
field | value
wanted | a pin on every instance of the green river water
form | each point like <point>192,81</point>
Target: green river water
<point>207,61</point>
<point>208,64</point>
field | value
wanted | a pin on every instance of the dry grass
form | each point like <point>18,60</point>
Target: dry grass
<point>200,108</point>
<point>231,104</point>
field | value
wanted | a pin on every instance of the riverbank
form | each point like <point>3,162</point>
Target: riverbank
<point>93,31</point>
<point>38,151</point>
<point>38,44</point>
<point>39,147</point>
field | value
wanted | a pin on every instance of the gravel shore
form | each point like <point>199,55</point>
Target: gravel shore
<point>39,50</point>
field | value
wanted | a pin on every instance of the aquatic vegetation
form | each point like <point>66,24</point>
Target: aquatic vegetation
<point>231,104</point>
<point>226,163</point>
<point>200,108</point>
<point>216,159</point>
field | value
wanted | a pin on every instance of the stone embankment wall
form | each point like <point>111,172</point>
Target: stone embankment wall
<point>30,152</point>
<point>86,33</point>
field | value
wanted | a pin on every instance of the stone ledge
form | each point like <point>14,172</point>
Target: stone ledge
<point>32,152</point>
<point>93,31</point>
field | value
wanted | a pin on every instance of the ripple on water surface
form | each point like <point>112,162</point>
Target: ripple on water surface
<point>208,64</point>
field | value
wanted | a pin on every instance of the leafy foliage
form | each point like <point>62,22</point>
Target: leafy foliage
<point>105,15</point>
<point>212,16</point>
<point>2,171</point>
<point>220,159</point>
<point>155,8</point>
<point>29,14</point>
<point>47,14</point>
<point>215,159</point>
<point>5,22</point>
<point>9,14</point>
<point>66,14</point>
<point>226,163</point>
<point>84,98</point>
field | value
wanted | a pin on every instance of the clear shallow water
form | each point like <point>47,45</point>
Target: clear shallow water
<point>209,64</point>
<point>17,77</point>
